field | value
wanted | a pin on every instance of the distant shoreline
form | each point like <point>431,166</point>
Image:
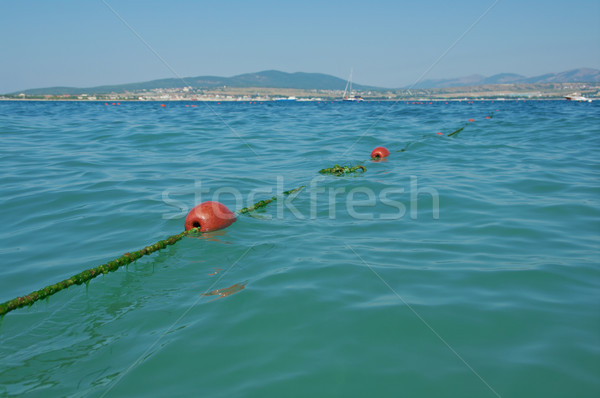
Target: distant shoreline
<point>546,91</point>
<point>420,100</point>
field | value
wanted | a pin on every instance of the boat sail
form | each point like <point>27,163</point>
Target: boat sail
<point>348,91</point>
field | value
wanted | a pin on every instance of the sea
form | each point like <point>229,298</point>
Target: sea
<point>461,265</point>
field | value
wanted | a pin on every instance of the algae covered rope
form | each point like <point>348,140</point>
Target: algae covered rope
<point>491,115</point>
<point>86,276</point>
<point>405,148</point>
<point>457,131</point>
<point>265,202</point>
<point>338,170</point>
<point>454,133</point>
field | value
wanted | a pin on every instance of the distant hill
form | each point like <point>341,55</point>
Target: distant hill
<point>582,75</point>
<point>266,79</point>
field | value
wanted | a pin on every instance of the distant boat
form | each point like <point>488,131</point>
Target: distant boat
<point>577,97</point>
<point>348,91</point>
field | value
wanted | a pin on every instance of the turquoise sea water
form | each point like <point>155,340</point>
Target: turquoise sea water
<point>465,266</point>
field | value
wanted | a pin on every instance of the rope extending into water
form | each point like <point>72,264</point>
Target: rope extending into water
<point>86,276</point>
<point>128,258</point>
<point>263,203</point>
<point>455,132</point>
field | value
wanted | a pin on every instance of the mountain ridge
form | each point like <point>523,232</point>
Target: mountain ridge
<point>580,75</point>
<point>314,81</point>
<point>264,79</point>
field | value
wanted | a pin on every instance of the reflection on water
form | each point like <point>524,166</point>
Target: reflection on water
<point>226,291</point>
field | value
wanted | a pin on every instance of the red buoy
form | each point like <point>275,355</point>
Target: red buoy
<point>209,216</point>
<point>379,152</point>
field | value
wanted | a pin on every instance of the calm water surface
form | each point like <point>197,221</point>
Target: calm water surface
<point>464,266</point>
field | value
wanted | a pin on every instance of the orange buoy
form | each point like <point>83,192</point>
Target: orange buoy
<point>439,133</point>
<point>209,216</point>
<point>471,120</point>
<point>379,152</point>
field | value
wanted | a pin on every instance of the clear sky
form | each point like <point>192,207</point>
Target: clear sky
<point>388,43</point>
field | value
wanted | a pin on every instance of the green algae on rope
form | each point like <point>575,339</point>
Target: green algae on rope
<point>491,115</point>
<point>265,202</point>
<point>457,131</point>
<point>405,148</point>
<point>338,170</point>
<point>86,276</point>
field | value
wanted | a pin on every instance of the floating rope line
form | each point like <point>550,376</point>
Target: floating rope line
<point>454,133</point>
<point>336,170</point>
<point>457,131</point>
<point>263,203</point>
<point>128,258</point>
<point>405,148</point>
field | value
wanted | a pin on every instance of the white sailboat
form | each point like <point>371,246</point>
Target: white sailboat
<point>348,91</point>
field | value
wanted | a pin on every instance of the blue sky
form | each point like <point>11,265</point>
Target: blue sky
<point>387,43</point>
